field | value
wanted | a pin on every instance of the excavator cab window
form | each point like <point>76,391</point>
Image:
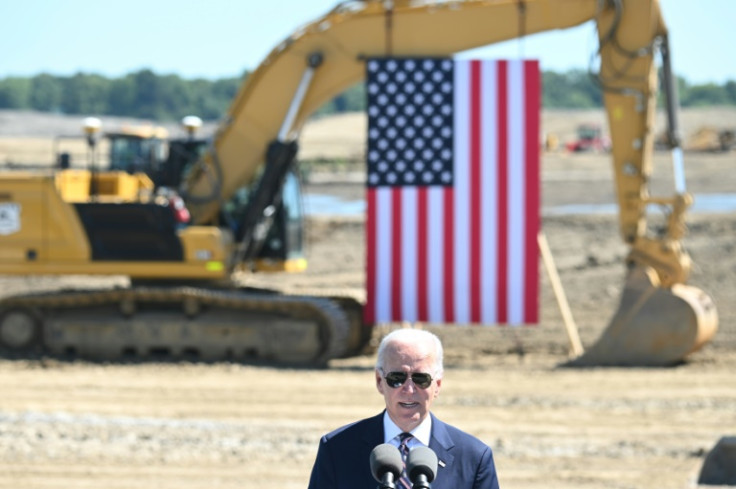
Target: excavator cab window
<point>285,239</point>
<point>135,154</point>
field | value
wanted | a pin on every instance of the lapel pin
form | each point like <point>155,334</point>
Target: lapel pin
<point>441,463</point>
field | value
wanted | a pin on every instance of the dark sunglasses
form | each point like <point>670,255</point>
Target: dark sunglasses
<point>397,379</point>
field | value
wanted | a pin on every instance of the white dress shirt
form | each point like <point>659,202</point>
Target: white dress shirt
<point>421,433</point>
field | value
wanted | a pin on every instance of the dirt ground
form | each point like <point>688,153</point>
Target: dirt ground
<point>89,425</point>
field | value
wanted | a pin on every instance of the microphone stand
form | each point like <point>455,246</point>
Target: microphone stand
<point>421,482</point>
<point>387,481</point>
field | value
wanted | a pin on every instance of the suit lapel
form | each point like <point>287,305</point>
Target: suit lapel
<point>441,443</point>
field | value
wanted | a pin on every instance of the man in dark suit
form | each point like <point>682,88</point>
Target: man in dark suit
<point>409,376</point>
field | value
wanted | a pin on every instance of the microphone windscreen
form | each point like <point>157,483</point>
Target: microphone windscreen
<point>422,460</point>
<point>386,458</point>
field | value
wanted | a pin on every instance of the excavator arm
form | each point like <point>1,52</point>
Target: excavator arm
<point>660,320</point>
<point>658,312</point>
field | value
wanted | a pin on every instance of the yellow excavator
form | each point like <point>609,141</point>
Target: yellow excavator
<point>242,209</point>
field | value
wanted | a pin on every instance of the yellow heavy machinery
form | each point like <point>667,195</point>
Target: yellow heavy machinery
<point>130,148</point>
<point>711,139</point>
<point>242,199</point>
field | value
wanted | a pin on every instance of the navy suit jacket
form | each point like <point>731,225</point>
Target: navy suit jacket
<point>343,458</point>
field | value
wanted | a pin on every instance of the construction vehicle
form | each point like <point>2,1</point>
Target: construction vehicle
<point>136,149</point>
<point>149,149</point>
<point>589,139</point>
<point>711,139</point>
<point>243,192</point>
<point>128,148</point>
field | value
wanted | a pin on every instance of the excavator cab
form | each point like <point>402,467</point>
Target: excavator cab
<point>139,150</point>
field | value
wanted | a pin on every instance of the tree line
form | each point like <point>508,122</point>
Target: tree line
<point>147,95</point>
<point>142,94</point>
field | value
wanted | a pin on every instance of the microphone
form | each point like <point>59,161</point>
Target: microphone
<point>421,467</point>
<point>386,465</point>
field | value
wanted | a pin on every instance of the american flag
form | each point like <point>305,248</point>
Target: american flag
<point>452,190</point>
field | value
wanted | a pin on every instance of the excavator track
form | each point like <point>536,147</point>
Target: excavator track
<point>175,323</point>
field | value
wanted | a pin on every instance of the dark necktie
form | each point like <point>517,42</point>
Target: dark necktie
<point>404,482</point>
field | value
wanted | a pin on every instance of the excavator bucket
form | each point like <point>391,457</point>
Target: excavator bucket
<point>654,326</point>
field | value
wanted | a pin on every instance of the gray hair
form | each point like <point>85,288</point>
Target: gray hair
<point>410,335</point>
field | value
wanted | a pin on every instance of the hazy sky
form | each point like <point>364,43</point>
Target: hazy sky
<point>222,38</point>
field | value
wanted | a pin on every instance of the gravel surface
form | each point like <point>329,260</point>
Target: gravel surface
<point>159,425</point>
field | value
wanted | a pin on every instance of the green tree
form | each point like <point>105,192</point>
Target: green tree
<point>45,93</point>
<point>121,97</point>
<point>85,94</point>
<point>730,88</point>
<point>708,94</point>
<point>14,93</point>
<point>210,100</point>
<point>351,100</point>
<point>174,97</point>
<point>587,87</point>
<point>147,94</point>
<point>354,98</point>
<point>575,89</point>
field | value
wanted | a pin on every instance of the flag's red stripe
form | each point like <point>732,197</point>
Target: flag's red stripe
<point>369,313</point>
<point>396,258</point>
<point>449,254</point>
<point>422,261</point>
<point>531,137</point>
<point>502,259</point>
<point>475,190</point>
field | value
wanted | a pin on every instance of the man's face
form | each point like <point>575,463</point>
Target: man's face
<point>408,405</point>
